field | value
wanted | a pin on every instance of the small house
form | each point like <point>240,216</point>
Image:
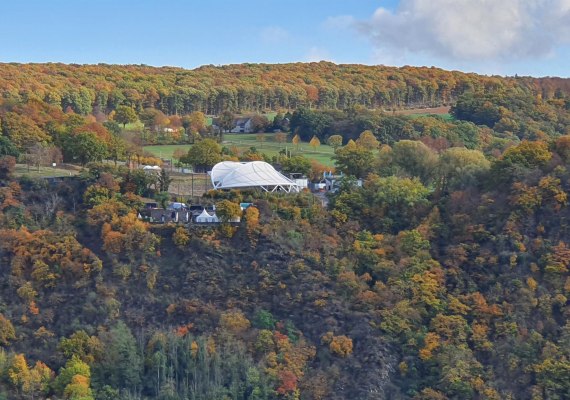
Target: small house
<point>242,125</point>
<point>303,183</point>
<point>318,186</point>
<point>300,180</point>
<point>332,183</point>
<point>160,215</point>
<point>177,206</point>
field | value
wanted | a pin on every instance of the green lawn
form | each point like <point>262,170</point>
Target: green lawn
<point>446,117</point>
<point>243,141</point>
<point>22,169</point>
<point>271,147</point>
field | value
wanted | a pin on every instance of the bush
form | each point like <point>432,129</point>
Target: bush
<point>264,320</point>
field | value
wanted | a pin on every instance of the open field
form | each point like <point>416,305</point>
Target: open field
<point>271,147</point>
<point>243,141</point>
<point>424,112</point>
<point>446,117</point>
<point>44,172</point>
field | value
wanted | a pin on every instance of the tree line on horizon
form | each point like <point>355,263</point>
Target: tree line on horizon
<point>102,88</point>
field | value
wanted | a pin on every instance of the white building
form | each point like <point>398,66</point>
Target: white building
<point>302,183</point>
<point>243,125</point>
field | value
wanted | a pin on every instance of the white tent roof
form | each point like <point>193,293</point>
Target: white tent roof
<point>205,217</point>
<point>204,214</point>
<point>233,175</point>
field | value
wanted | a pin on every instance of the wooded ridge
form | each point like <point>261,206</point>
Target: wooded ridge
<point>252,87</point>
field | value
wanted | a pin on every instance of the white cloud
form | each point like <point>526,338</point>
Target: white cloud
<point>274,34</point>
<point>384,56</point>
<point>316,54</point>
<point>339,22</point>
<point>471,29</point>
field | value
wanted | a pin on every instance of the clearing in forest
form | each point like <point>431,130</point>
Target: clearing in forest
<point>264,143</point>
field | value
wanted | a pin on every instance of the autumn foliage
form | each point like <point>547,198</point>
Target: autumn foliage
<point>437,269</point>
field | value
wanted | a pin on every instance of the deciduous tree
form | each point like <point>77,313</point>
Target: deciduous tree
<point>181,237</point>
<point>259,123</point>
<point>226,121</point>
<point>227,210</point>
<point>415,159</point>
<point>22,131</point>
<point>281,137</point>
<point>73,367</point>
<point>296,164</point>
<point>204,154</point>
<point>354,160</point>
<point>194,123</point>
<point>368,140</point>
<point>335,141</point>
<point>7,331</point>
<point>260,137</point>
<point>234,321</point>
<point>7,148</point>
<point>125,115</point>
<point>314,143</point>
<point>460,167</point>
<point>83,148</point>
<point>296,140</point>
<point>7,166</point>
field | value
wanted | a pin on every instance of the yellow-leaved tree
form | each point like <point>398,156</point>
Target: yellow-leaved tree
<point>31,381</point>
<point>251,225</point>
<point>296,140</point>
<point>314,143</point>
<point>368,140</point>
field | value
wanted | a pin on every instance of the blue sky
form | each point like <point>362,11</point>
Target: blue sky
<point>525,37</point>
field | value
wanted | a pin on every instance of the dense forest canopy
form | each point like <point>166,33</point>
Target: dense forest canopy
<point>252,87</point>
<point>439,269</point>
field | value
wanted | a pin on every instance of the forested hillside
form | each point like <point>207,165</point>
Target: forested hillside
<point>251,87</point>
<point>438,270</point>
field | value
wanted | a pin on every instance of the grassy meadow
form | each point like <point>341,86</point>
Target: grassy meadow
<point>269,146</point>
<point>43,171</point>
<point>446,117</point>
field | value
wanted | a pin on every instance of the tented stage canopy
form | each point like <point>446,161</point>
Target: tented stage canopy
<point>254,174</point>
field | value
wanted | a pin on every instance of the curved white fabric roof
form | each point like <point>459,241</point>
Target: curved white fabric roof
<point>234,175</point>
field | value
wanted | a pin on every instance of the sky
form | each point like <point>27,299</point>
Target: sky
<point>502,37</point>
